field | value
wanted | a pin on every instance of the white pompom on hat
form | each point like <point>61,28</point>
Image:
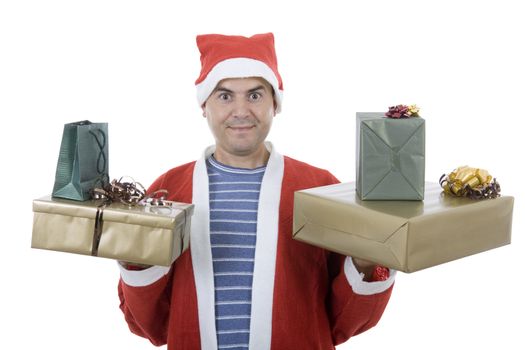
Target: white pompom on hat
<point>228,56</point>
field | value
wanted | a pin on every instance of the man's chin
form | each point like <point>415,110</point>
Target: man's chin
<point>245,149</point>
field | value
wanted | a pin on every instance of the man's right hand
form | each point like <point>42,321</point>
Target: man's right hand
<point>133,266</point>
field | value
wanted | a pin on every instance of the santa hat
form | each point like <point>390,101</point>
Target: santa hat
<point>225,56</point>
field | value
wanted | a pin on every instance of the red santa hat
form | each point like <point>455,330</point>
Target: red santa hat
<point>225,56</point>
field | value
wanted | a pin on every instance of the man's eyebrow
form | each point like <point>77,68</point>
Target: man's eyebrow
<point>259,87</point>
<point>223,89</point>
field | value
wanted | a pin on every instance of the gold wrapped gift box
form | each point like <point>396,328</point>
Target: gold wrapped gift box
<point>152,235</point>
<point>404,235</point>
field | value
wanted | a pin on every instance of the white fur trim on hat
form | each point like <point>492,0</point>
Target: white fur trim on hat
<point>238,68</point>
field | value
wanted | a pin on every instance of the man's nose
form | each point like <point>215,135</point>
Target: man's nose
<point>240,108</point>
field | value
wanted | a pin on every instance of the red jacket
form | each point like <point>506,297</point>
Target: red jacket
<point>302,298</point>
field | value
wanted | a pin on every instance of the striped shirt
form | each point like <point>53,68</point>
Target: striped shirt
<point>234,199</point>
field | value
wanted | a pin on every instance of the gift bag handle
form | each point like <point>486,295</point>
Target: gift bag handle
<point>101,159</point>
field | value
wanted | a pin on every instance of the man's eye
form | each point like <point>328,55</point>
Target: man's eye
<point>224,97</point>
<point>255,96</point>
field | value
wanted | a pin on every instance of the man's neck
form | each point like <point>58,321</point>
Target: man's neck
<point>251,161</point>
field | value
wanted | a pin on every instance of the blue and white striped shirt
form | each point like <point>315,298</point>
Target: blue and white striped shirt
<point>234,199</point>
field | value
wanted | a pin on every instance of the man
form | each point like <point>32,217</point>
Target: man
<point>244,282</point>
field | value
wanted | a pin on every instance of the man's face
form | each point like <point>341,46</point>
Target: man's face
<point>240,113</point>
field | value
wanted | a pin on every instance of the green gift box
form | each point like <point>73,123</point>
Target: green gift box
<point>390,155</point>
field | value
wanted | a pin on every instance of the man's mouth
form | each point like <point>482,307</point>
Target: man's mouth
<point>241,127</point>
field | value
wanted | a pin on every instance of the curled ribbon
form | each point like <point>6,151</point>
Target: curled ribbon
<point>470,182</point>
<point>129,193</point>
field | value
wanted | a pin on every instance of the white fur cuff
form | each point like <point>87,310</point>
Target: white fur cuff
<point>143,277</point>
<point>365,288</point>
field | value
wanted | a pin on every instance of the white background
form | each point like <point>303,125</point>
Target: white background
<point>133,64</point>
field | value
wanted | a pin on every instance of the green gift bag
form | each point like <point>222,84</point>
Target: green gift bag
<point>83,160</point>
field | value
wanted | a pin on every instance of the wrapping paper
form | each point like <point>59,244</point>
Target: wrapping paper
<point>390,156</point>
<point>404,235</point>
<point>139,234</point>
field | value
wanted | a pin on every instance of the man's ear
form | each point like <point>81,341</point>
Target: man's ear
<point>203,107</point>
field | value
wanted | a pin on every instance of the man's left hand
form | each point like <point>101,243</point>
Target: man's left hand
<point>366,267</point>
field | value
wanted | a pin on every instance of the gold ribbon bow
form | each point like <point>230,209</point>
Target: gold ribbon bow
<point>470,182</point>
